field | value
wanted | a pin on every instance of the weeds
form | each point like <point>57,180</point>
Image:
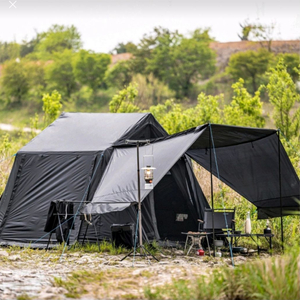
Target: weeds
<point>274,278</point>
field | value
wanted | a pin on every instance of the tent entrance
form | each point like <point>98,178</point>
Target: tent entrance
<point>172,211</point>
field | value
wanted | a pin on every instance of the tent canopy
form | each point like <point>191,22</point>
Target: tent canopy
<point>246,159</point>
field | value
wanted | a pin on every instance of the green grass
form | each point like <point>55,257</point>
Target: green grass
<point>275,278</point>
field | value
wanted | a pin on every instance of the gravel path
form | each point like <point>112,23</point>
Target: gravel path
<point>31,273</point>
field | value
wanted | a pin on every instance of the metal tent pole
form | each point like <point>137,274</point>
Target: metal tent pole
<point>211,190</point>
<point>280,190</point>
<point>139,196</point>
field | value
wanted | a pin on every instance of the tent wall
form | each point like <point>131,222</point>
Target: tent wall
<point>40,179</point>
<point>173,196</point>
<point>177,193</point>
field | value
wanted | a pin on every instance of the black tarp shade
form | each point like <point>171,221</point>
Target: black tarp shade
<point>249,164</point>
<point>246,159</point>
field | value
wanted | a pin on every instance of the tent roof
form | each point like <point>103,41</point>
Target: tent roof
<point>246,159</point>
<point>91,131</point>
<point>119,182</point>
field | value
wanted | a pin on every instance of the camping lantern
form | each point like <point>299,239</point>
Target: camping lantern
<point>148,162</point>
<point>148,174</point>
<point>148,177</point>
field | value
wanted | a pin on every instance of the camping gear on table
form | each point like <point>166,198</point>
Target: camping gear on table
<point>248,224</point>
<point>267,230</point>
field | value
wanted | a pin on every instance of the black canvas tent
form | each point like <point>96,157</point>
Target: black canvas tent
<point>84,158</point>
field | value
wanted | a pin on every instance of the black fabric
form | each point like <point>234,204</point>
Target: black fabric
<point>225,136</point>
<point>146,128</point>
<point>84,132</point>
<point>122,235</point>
<point>171,202</point>
<point>64,210</point>
<point>41,179</point>
<point>252,169</point>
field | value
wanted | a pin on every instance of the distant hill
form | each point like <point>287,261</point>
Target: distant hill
<point>225,50</point>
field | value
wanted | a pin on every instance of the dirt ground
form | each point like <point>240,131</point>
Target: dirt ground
<point>29,274</point>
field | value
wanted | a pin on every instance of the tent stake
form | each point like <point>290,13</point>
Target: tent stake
<point>280,192</point>
<point>211,191</point>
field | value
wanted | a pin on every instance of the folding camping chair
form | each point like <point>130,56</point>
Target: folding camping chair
<point>223,220</point>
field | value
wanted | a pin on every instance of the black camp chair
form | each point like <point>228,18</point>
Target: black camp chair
<point>223,220</point>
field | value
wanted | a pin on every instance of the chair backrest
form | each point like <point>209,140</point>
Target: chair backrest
<point>222,217</point>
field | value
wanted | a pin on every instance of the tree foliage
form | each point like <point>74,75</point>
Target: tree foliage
<point>119,75</point>
<point>60,73</point>
<point>14,82</point>
<point>90,68</point>
<point>59,38</point>
<point>151,91</point>
<point>51,107</point>
<point>177,61</point>
<point>9,51</point>
<point>283,96</point>
<point>129,47</point>
<point>244,109</point>
<point>124,101</point>
<point>251,66</point>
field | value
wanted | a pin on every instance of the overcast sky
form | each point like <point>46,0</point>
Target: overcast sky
<point>104,24</point>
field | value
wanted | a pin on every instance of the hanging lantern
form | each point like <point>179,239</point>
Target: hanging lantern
<point>148,176</point>
<point>148,162</point>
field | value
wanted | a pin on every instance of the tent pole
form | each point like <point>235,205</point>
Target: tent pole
<point>211,191</point>
<point>139,196</point>
<point>280,191</point>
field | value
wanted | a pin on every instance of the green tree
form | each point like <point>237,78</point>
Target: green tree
<point>9,51</point>
<point>129,47</point>
<point>90,68</point>
<point>124,101</point>
<point>251,66</point>
<point>151,91</point>
<point>59,74</point>
<point>28,47</point>
<point>14,82</point>
<point>119,75</point>
<point>35,71</point>
<point>244,110</point>
<point>283,96</point>
<point>57,39</point>
<point>174,118</point>
<point>292,63</point>
<point>174,59</point>
<point>192,61</point>
<point>51,107</point>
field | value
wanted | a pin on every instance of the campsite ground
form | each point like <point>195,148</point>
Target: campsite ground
<point>37,274</point>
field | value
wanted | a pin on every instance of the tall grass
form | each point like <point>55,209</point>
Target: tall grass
<point>275,278</point>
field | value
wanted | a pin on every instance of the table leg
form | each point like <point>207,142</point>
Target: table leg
<point>186,242</point>
<point>193,243</point>
<point>208,245</point>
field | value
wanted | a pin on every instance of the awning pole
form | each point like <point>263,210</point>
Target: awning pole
<point>211,190</point>
<point>280,192</point>
<point>139,197</point>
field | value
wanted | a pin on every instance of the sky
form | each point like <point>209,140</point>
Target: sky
<point>105,23</point>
